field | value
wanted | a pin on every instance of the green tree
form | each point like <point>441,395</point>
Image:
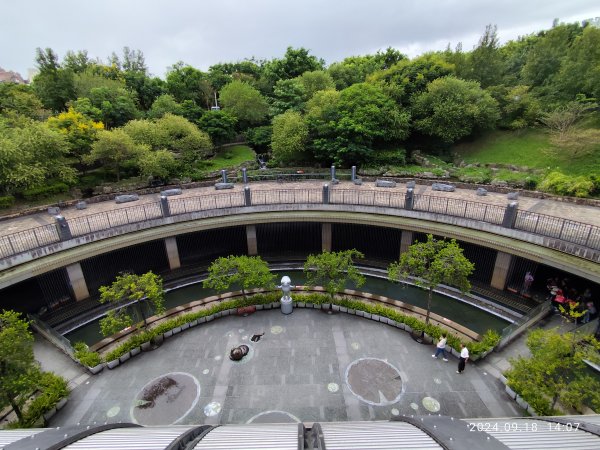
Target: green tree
<point>243,271</point>
<point>333,270</point>
<point>353,69</point>
<point>19,372</point>
<point>19,99</point>
<point>562,119</point>
<point>295,62</point>
<point>288,141</point>
<point>160,164</point>
<point>451,109</point>
<point>244,102</point>
<point>165,104</point>
<point>185,82</point>
<point>117,106</point>
<point>288,95</point>
<point>31,154</point>
<point>260,138</point>
<point>555,371</point>
<point>113,148</point>
<point>145,292</point>
<point>183,138</point>
<point>53,84</point>
<point>220,126</point>
<point>317,80</point>
<point>432,263</point>
<point>485,61</point>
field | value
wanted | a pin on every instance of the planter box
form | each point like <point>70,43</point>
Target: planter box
<point>389,321</point>
<point>300,305</point>
<point>376,317</point>
<point>176,330</point>
<point>367,315</point>
<point>532,411</point>
<point>202,319</point>
<point>219,314</point>
<point>343,309</point>
<point>503,379</point>
<point>267,306</point>
<point>360,313</point>
<point>400,325</point>
<point>48,415</point>
<point>193,323</point>
<point>407,328</point>
<point>168,334</point>
<point>276,305</point>
<point>62,402</point>
<point>112,364</point>
<point>352,311</point>
<point>260,307</point>
<point>454,352</point>
<point>326,306</point>
<point>96,369</point>
<point>136,351</point>
<point>209,318</point>
<point>185,326</point>
<point>146,346</point>
<point>522,403</point>
<point>336,307</point>
<point>124,357</point>
<point>316,306</point>
<point>510,392</point>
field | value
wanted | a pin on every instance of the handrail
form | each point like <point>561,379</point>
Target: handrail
<point>565,230</point>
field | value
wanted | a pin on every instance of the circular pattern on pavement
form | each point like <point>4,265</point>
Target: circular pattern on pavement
<point>166,400</point>
<point>355,345</point>
<point>431,404</point>
<point>276,329</point>
<point>112,412</point>
<point>333,387</point>
<point>374,381</point>
<point>395,412</point>
<point>274,417</point>
<point>212,409</point>
<point>414,406</point>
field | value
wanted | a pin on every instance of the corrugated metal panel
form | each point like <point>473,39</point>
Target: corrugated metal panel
<point>251,437</point>
<point>149,438</point>
<point>10,436</point>
<point>375,435</point>
<point>595,418</point>
<point>532,434</point>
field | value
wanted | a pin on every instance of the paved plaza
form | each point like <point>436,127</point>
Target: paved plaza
<point>308,366</point>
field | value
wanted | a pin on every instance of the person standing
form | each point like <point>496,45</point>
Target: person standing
<point>464,355</point>
<point>527,283</point>
<point>441,348</point>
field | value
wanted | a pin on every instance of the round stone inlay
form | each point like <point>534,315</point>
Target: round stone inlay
<point>374,381</point>
<point>431,404</point>
<point>166,400</point>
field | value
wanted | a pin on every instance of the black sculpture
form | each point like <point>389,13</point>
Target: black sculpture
<point>237,353</point>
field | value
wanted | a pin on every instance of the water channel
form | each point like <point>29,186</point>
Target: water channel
<point>467,315</point>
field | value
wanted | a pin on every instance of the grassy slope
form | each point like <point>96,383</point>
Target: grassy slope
<point>530,148</point>
<point>230,157</point>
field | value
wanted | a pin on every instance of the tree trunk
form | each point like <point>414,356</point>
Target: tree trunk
<point>16,408</point>
<point>429,295</point>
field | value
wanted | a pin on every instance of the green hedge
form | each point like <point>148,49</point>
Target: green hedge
<point>85,356</point>
<point>490,338</point>
<point>6,201</point>
<point>40,192</point>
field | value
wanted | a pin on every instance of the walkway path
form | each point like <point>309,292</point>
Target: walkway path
<point>580,213</point>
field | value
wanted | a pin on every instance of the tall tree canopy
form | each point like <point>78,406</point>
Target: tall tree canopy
<point>244,102</point>
<point>242,271</point>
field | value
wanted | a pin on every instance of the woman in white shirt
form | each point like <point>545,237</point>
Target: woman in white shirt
<point>441,348</point>
<point>464,355</point>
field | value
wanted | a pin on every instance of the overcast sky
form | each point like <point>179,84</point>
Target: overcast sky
<point>205,32</point>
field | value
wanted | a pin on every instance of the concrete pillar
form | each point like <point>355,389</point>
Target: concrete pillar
<point>510,215</point>
<point>164,206</point>
<point>353,173</point>
<point>501,268</point>
<point>224,175</point>
<point>325,194</point>
<point>62,226</point>
<point>251,239</point>
<point>332,173</point>
<point>409,199</point>
<point>247,196</point>
<point>244,175</point>
<point>326,237</point>
<point>406,240</point>
<point>77,281</point>
<point>172,253</point>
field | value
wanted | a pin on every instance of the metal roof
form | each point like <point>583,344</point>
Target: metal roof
<point>142,438</point>
<point>10,436</point>
<point>283,436</point>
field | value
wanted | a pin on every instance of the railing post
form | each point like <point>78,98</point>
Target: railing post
<point>353,173</point>
<point>247,196</point>
<point>224,175</point>
<point>244,175</point>
<point>325,194</point>
<point>64,232</point>
<point>510,215</point>
<point>164,206</point>
<point>332,173</point>
<point>409,199</point>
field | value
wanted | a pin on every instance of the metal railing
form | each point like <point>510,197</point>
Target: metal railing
<point>565,230</point>
<point>515,329</point>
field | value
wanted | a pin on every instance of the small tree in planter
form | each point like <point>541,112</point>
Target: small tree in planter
<point>244,271</point>
<point>333,270</point>
<point>432,263</point>
<point>145,290</point>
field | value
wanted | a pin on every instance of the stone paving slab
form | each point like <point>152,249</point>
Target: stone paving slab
<point>298,369</point>
<point>581,213</point>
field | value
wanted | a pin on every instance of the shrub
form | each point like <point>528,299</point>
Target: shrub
<point>561,184</point>
<point>392,157</point>
<point>85,356</point>
<point>6,201</point>
<point>52,389</point>
<point>40,192</point>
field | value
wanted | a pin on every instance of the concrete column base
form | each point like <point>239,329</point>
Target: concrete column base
<point>251,239</point>
<point>501,268</point>
<point>406,240</point>
<point>172,253</point>
<point>77,280</point>
<point>326,237</point>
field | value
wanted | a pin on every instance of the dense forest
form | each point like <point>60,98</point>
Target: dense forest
<point>81,115</point>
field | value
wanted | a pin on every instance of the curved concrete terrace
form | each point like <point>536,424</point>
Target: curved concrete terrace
<point>309,366</point>
<point>105,226</point>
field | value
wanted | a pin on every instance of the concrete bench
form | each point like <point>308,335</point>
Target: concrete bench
<point>126,198</point>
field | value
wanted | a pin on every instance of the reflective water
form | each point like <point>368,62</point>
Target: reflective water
<point>459,312</point>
